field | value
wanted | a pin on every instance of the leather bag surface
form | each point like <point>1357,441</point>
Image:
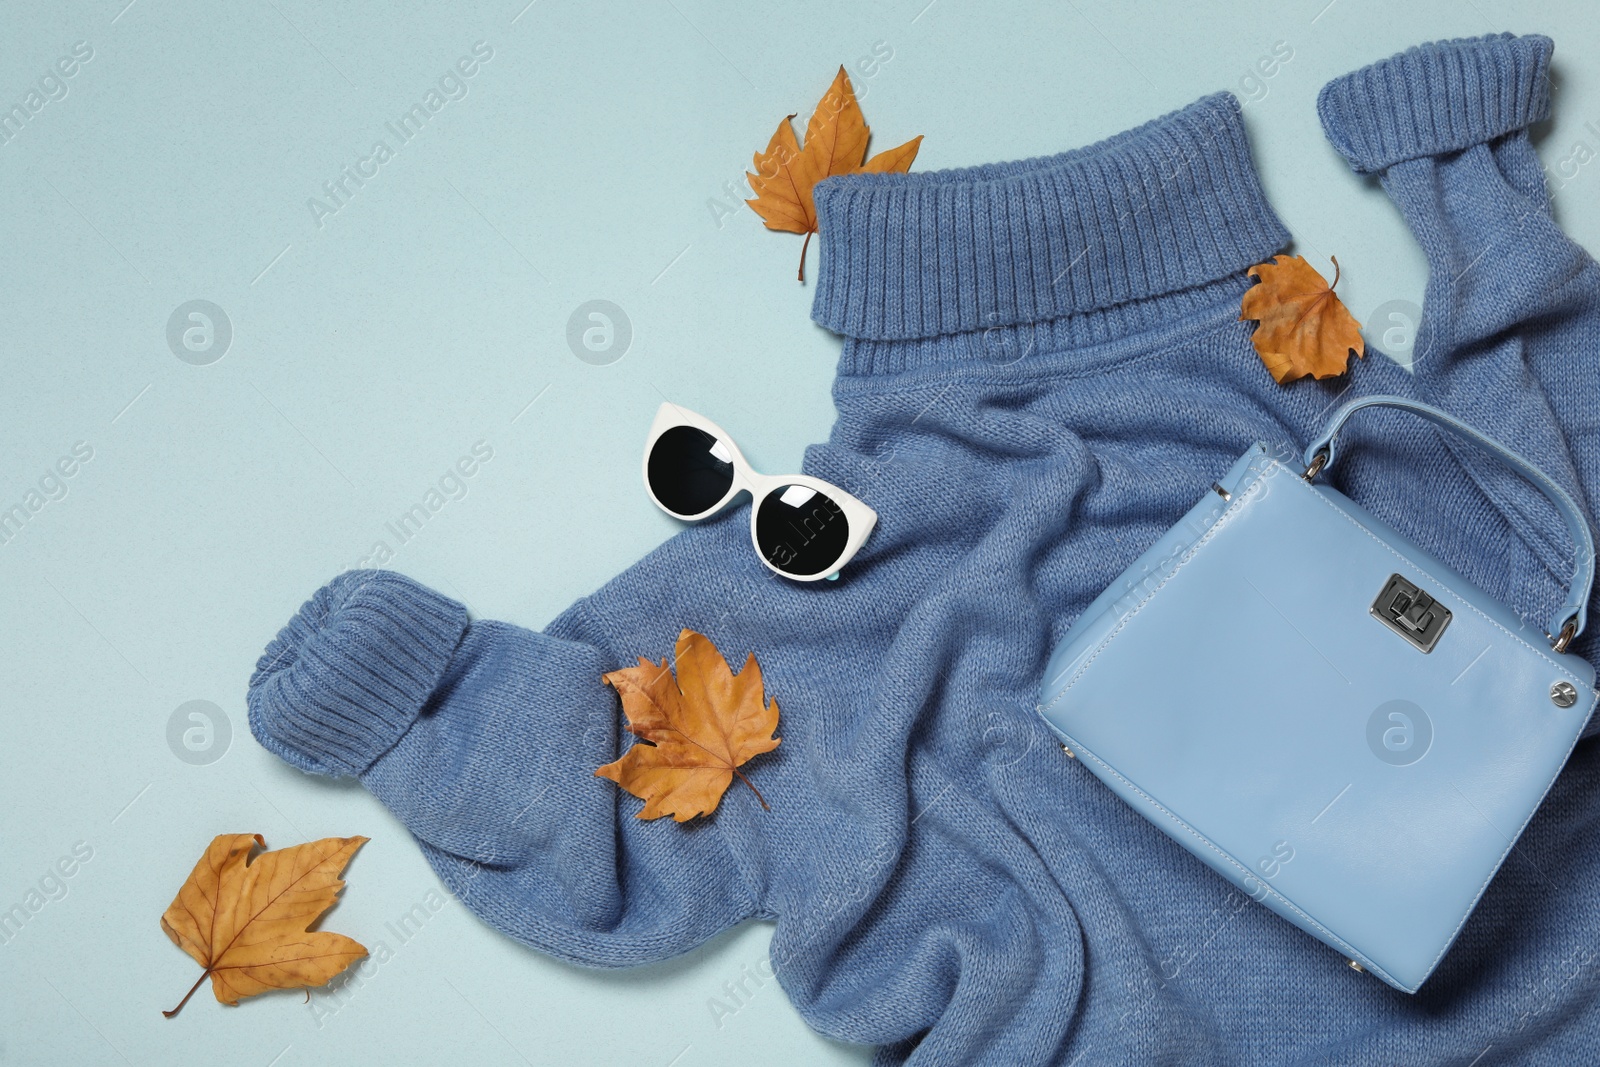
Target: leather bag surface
<point>1330,717</point>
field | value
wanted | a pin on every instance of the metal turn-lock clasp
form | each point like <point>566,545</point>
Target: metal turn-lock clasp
<point>1413,614</point>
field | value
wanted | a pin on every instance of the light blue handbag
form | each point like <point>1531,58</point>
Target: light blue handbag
<point>1327,715</point>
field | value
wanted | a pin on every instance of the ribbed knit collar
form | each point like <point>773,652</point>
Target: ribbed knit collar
<point>1168,206</point>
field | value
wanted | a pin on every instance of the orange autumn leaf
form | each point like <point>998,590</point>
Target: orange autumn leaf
<point>836,143</point>
<point>700,727</point>
<point>891,160</point>
<point>245,922</point>
<point>1303,327</point>
<point>782,183</point>
<point>837,132</point>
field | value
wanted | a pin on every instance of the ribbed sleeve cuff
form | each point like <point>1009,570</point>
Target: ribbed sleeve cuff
<point>348,674</point>
<point>1437,98</point>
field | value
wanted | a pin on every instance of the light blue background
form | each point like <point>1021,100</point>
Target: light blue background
<point>596,155</point>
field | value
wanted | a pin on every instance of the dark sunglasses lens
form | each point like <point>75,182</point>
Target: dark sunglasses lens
<point>801,531</point>
<point>687,471</point>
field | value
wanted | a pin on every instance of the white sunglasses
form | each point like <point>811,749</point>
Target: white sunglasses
<point>803,528</point>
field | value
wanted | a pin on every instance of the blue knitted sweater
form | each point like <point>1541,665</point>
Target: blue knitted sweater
<point>1042,369</point>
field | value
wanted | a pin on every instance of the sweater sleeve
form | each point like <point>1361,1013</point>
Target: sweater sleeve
<point>483,738</point>
<point>1509,337</point>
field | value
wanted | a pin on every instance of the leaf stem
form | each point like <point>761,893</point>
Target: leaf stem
<point>743,779</point>
<point>1317,301</point>
<point>800,275</point>
<point>203,976</point>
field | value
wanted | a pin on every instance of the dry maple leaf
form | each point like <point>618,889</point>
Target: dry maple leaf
<point>836,143</point>
<point>701,725</point>
<point>1304,328</point>
<point>245,922</point>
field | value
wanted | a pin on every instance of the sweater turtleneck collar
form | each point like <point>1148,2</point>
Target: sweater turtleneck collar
<point>1169,206</point>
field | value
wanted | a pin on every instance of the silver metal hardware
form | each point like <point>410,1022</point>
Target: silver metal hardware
<point>1354,966</point>
<point>1563,694</point>
<point>1223,493</point>
<point>1411,613</point>
<point>1068,751</point>
<point>1564,638</point>
<point>1318,461</point>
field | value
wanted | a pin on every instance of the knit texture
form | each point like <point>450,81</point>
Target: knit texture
<point>365,656</point>
<point>1437,98</point>
<point>1510,328</point>
<point>1155,210</point>
<point>1033,387</point>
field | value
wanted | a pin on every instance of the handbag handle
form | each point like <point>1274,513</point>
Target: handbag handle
<point>1570,618</point>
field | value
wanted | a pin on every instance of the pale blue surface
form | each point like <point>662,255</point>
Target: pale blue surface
<point>425,316</point>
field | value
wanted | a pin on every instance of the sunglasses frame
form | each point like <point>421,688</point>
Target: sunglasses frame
<point>859,518</point>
